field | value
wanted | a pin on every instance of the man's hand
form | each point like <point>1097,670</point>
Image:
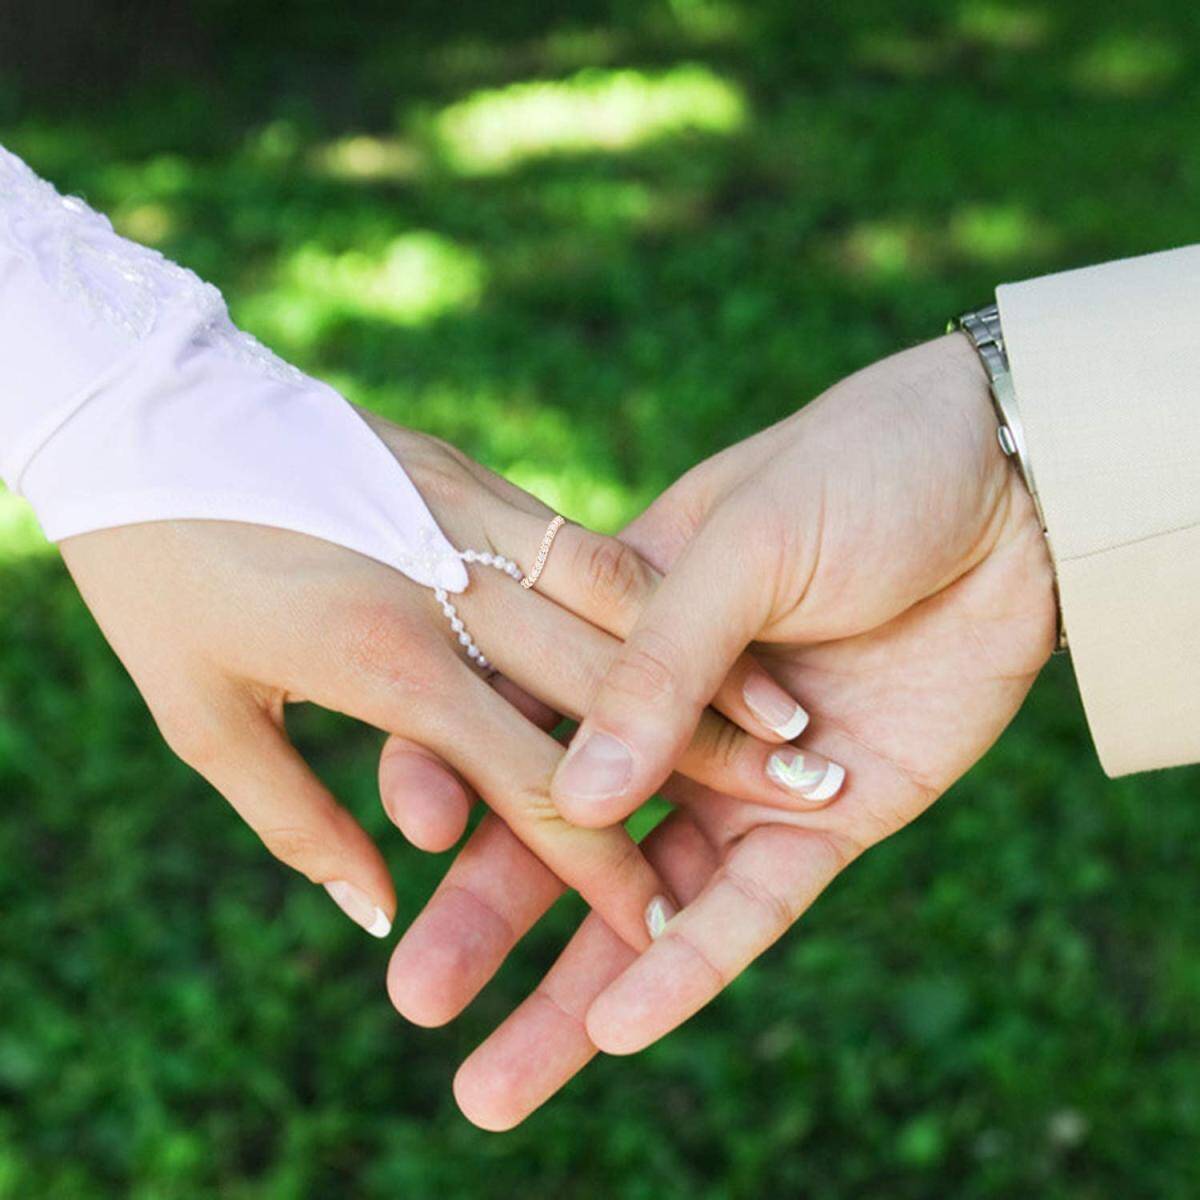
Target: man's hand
<point>889,563</point>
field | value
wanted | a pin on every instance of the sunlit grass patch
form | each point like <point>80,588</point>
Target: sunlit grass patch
<point>1127,64</point>
<point>540,447</point>
<point>149,223</point>
<point>365,157</point>
<point>594,110</point>
<point>904,247</point>
<point>999,233</point>
<point>557,50</point>
<point>709,20</point>
<point>1004,26</point>
<point>907,55</point>
<point>415,278</point>
<point>889,248</point>
<point>165,176</point>
<point>590,498</point>
<point>596,203</point>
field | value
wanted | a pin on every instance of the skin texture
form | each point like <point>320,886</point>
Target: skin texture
<point>886,563</point>
<point>222,625</point>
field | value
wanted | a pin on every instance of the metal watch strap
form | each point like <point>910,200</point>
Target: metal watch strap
<point>983,328</point>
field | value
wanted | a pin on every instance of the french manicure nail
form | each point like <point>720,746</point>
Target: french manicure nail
<point>807,774</point>
<point>774,707</point>
<point>658,912</point>
<point>359,907</point>
<point>600,767</point>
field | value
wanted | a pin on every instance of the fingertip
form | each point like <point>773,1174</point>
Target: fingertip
<point>445,957</point>
<point>609,1034</point>
<point>424,799</point>
<point>772,707</point>
<point>437,825</point>
<point>655,993</point>
<point>359,907</point>
<point>413,1000</point>
<point>484,1104</point>
<point>525,1061</point>
<point>806,777</point>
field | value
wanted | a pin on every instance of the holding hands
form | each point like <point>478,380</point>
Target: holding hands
<point>245,543</point>
<point>874,555</point>
<point>887,565</point>
<point>223,624</point>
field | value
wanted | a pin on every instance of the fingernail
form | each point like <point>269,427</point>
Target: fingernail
<point>658,912</point>
<point>774,707</point>
<point>598,768</point>
<point>807,774</point>
<point>359,907</point>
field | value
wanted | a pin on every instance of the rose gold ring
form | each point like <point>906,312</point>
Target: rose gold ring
<point>543,551</point>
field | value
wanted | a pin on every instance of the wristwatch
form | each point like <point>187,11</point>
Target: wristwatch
<point>983,328</point>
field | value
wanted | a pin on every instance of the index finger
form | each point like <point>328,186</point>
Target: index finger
<point>608,584</point>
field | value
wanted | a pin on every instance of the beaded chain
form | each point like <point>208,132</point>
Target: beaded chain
<point>465,640</point>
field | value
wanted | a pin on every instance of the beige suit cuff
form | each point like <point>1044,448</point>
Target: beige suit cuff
<point>1104,363</point>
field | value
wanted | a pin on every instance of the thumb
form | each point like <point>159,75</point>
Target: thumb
<point>699,620</point>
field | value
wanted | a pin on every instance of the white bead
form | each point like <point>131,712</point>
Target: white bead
<point>483,662</point>
<point>456,624</point>
<point>464,639</point>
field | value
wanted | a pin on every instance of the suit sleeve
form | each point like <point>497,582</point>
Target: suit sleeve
<point>1105,368</point>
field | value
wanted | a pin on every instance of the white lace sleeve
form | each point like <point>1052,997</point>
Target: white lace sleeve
<point>127,394</point>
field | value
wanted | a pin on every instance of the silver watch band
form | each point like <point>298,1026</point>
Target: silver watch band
<point>983,328</point>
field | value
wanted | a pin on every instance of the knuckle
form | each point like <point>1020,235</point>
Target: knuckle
<point>296,847</point>
<point>384,643</point>
<point>838,848</point>
<point>616,576</point>
<point>646,669</point>
<point>721,744</point>
<point>628,862</point>
<point>439,470</point>
<point>780,914</point>
<point>192,736</point>
<point>535,805</point>
<point>719,975</point>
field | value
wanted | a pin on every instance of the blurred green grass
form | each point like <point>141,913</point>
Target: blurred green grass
<point>591,250</point>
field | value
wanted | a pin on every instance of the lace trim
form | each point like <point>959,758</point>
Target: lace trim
<point>122,283</point>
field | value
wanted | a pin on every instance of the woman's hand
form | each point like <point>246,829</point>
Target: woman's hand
<point>222,624</point>
<point>891,560</point>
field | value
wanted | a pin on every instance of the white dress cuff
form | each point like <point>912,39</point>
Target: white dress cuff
<point>128,395</point>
